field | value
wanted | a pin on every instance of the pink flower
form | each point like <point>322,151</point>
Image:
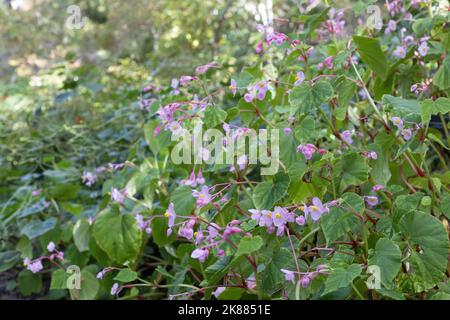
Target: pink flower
<point>174,127</point>
<point>192,182</point>
<point>276,37</point>
<point>184,80</point>
<point>115,289</point>
<point>288,275</point>
<point>287,131</point>
<point>372,155</point>
<point>33,266</point>
<point>279,216</point>
<point>200,254</point>
<point>335,25</point>
<point>316,209</point>
<point>249,96</point>
<point>118,196</point>
<point>305,281</point>
<point>218,291</point>
<point>423,49</point>
<point>200,179</point>
<point>406,133</point>
<point>229,230</point>
<point>171,215</point>
<point>398,122</point>
<point>400,52</point>
<point>203,69</point>
<point>329,62</point>
<point>88,178</point>
<point>391,26</point>
<point>299,78</point>
<point>259,47</point>
<point>371,201</point>
<point>233,87</point>
<point>226,128</point>
<point>347,136</point>
<point>186,232</point>
<point>394,6</point>
<point>36,192</point>
<point>300,220</point>
<point>51,246</point>
<point>266,218</point>
<point>256,214</point>
<point>377,187</point>
<point>262,88</point>
<point>307,150</point>
<point>242,161</point>
<point>203,197</point>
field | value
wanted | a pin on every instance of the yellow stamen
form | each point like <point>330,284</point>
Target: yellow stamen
<point>269,215</point>
<point>278,216</point>
<point>167,214</point>
<point>201,195</point>
<point>314,208</point>
<point>195,233</point>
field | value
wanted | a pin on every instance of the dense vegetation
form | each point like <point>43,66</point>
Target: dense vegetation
<point>359,205</point>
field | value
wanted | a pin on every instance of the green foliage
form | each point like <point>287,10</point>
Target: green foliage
<point>87,135</point>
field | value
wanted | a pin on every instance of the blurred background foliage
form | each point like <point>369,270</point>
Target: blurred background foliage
<point>69,99</point>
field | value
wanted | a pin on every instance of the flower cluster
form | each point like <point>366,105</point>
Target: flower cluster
<point>405,132</point>
<point>36,265</point>
<point>279,217</point>
<point>305,278</point>
<point>258,91</point>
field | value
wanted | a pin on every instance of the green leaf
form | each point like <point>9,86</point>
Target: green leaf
<point>64,191</point>
<point>183,201</point>
<point>89,287</point>
<point>267,193</point>
<point>117,235</point>
<point>35,228</point>
<point>305,130</point>
<point>429,107</point>
<point>126,275</point>
<point>221,267</point>
<point>159,142</point>
<point>428,242</point>
<point>59,279</point>
<point>214,116</point>
<point>249,245</point>
<point>381,172</point>
<point>341,277</point>
<point>140,180</point>
<point>82,235</point>
<point>352,169</point>
<point>32,209</point>
<point>371,54</point>
<point>231,294</point>
<point>340,220</point>
<point>29,283</point>
<point>445,205</point>
<point>387,256</point>
<point>305,98</point>
<point>8,259</point>
<point>441,78</point>
<point>403,108</point>
<point>272,276</point>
